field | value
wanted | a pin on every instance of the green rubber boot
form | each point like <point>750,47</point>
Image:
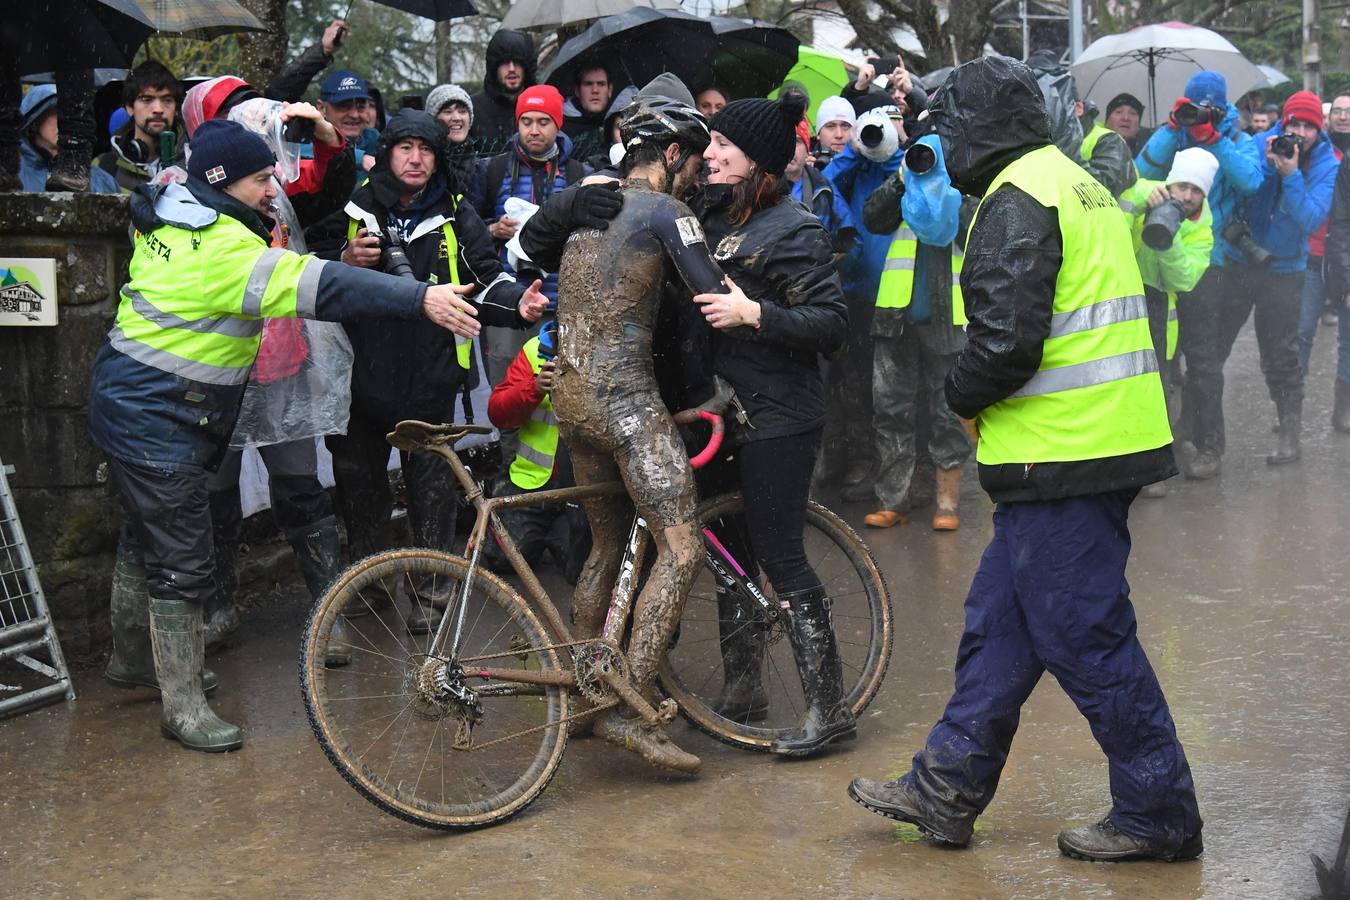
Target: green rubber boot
<point>133,662</point>
<point>179,648</point>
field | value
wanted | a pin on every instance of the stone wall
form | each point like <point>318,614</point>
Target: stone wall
<point>67,511</point>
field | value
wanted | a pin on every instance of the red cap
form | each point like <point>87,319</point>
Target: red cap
<point>1304,106</point>
<point>804,133</point>
<point>542,98</point>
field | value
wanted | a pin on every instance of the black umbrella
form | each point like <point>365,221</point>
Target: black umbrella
<point>752,58</point>
<point>40,35</point>
<point>636,46</point>
<point>435,10</point>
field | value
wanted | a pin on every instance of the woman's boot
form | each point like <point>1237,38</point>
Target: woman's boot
<point>176,636</point>
<point>743,698</point>
<point>828,716</point>
<point>947,516</point>
<point>133,662</point>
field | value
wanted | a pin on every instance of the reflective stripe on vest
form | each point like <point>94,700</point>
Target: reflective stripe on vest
<point>450,251</point>
<point>1096,393</point>
<point>897,275</point>
<point>195,301</point>
<point>1172,327</point>
<point>538,438</point>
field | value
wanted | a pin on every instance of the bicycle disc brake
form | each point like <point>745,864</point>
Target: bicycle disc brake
<point>594,661</point>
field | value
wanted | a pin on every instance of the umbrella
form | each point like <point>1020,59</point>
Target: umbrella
<point>820,73</point>
<point>1154,62</point>
<point>636,46</point>
<point>435,10</point>
<point>1273,77</point>
<point>552,13</point>
<point>200,19</point>
<point>752,57</point>
<point>37,37</point>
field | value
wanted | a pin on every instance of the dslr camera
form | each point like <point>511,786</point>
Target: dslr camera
<point>393,258</point>
<point>1189,114</point>
<point>920,159</point>
<point>1162,223</point>
<point>1285,145</point>
<point>1239,234</point>
<point>875,135</point>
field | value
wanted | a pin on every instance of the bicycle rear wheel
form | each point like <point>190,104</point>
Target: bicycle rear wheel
<point>421,737</point>
<point>693,671</point>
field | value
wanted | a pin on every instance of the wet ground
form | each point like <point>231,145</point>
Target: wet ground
<point>1241,589</point>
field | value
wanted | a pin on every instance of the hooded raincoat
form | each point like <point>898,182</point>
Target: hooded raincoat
<point>494,107</point>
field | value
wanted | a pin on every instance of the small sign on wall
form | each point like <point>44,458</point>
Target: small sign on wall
<point>27,291</point>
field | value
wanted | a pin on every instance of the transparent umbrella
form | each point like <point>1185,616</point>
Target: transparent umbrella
<point>201,19</point>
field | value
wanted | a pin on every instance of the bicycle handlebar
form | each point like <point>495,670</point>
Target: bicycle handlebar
<point>709,411</point>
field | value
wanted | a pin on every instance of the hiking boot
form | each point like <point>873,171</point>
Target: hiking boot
<point>1203,466</point>
<point>828,717</point>
<point>947,516</point>
<point>898,800</point>
<point>176,637</point>
<point>1340,415</point>
<point>133,662</point>
<point>1104,842</point>
<point>858,493</point>
<point>70,170</point>
<point>1290,411</point>
<point>884,518</point>
<point>743,698</point>
<point>648,741</point>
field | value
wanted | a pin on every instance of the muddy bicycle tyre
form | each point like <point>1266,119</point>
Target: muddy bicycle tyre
<point>692,671</point>
<point>391,736</point>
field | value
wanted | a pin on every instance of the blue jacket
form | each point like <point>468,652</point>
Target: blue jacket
<point>824,201</point>
<point>1284,212</point>
<point>33,173</point>
<point>490,199</point>
<point>856,177</point>
<point>1239,171</point>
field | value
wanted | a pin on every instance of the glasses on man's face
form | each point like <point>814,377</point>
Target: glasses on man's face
<point>1340,112</point>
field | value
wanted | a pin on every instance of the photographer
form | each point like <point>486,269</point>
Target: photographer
<point>1294,199</point>
<point>1204,118</point>
<point>1173,237</point>
<point>406,222</point>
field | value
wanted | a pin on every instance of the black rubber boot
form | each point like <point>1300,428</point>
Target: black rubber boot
<point>133,661</point>
<point>1340,415</point>
<point>176,636</point>
<point>743,640</point>
<point>1290,411</point>
<point>828,716</point>
<point>318,550</point>
<point>222,619</point>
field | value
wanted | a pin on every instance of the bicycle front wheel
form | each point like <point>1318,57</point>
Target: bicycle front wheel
<point>419,735</point>
<point>711,639</point>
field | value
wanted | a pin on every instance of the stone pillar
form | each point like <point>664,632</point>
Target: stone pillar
<point>59,483</point>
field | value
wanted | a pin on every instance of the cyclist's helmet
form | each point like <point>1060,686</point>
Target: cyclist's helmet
<point>658,120</point>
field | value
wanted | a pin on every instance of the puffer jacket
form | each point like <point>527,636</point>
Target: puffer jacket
<point>1239,171</point>
<point>988,114</point>
<point>494,108</point>
<point>1285,212</point>
<point>856,177</point>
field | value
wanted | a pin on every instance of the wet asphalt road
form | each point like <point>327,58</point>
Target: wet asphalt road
<point>1240,586</point>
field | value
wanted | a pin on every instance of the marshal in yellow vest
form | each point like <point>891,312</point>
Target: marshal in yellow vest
<point>1097,393</point>
<point>897,276</point>
<point>533,465</point>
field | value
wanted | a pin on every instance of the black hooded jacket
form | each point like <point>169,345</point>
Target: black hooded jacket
<point>408,369</point>
<point>494,108</point>
<point>1338,239</point>
<point>990,113</point>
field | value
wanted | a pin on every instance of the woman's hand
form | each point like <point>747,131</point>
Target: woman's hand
<point>533,302</point>
<point>730,309</point>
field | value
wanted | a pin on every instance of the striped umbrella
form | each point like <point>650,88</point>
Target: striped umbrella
<point>200,19</point>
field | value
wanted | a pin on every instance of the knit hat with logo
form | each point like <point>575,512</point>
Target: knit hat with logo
<point>224,152</point>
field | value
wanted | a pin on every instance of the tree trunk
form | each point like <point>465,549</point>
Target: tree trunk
<point>445,73</point>
<point>263,53</point>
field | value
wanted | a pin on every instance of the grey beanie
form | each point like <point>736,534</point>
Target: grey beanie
<point>669,87</point>
<point>442,94</point>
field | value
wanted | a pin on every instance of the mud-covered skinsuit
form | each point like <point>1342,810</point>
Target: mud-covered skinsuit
<point>610,411</point>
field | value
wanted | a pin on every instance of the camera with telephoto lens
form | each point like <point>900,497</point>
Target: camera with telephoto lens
<point>875,135</point>
<point>393,258</point>
<point>1239,234</point>
<point>1189,114</point>
<point>1162,223</point>
<point>1285,145</point>
<point>299,131</point>
<point>920,159</point>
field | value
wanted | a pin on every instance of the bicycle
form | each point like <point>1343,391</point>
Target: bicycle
<point>502,670</point>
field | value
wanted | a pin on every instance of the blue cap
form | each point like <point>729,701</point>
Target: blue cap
<point>36,102</point>
<point>1209,88</point>
<point>118,118</point>
<point>344,85</point>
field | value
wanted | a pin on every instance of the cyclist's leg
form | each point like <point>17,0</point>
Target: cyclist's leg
<point>610,518</point>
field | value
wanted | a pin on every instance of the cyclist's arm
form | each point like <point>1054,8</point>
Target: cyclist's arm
<point>682,237</point>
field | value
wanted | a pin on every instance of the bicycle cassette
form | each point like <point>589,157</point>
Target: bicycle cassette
<point>595,661</point>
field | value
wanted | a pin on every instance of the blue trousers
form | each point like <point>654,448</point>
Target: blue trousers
<point>1314,301</point>
<point>1050,595</point>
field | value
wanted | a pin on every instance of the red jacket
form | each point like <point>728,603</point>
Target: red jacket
<point>515,398</point>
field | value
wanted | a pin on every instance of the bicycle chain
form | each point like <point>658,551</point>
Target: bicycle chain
<point>561,722</point>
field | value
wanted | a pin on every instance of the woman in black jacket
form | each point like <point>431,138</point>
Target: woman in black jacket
<point>784,308</point>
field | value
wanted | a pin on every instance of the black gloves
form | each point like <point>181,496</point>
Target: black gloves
<point>593,205</point>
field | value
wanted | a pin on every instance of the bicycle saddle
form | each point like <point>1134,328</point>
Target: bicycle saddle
<point>411,434</point>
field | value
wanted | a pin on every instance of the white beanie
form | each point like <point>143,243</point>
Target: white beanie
<point>1196,166</point>
<point>835,109</point>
